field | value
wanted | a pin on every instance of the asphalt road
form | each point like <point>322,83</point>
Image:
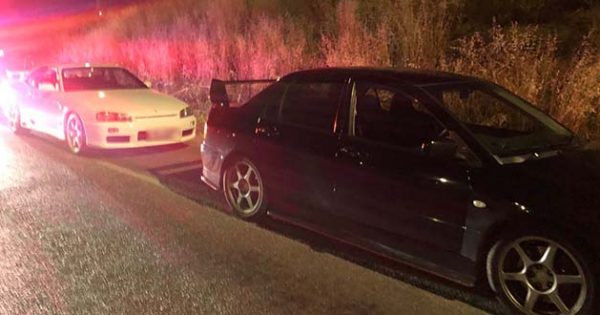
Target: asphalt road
<point>136,232</point>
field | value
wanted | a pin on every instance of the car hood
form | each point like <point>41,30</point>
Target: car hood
<point>134,102</point>
<point>564,187</point>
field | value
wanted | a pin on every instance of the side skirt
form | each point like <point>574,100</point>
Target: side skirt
<point>400,257</point>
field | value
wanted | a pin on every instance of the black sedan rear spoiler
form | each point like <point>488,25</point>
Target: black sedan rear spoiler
<point>219,95</point>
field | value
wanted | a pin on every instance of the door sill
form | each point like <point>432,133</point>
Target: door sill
<point>400,257</point>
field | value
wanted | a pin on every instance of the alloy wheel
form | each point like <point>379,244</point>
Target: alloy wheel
<point>244,188</point>
<point>539,276</point>
<point>75,134</point>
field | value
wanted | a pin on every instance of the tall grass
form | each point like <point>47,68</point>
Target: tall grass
<point>525,60</point>
<point>576,99</point>
<point>182,44</point>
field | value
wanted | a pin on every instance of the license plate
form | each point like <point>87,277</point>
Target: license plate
<point>163,134</point>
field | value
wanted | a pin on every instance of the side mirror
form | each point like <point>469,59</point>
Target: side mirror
<point>440,149</point>
<point>148,84</point>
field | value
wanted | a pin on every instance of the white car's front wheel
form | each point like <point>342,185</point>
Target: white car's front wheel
<point>75,134</point>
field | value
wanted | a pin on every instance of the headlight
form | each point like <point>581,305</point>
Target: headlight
<point>186,112</point>
<point>112,117</point>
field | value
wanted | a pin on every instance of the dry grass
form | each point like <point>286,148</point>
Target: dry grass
<point>354,44</point>
<point>576,99</point>
<point>524,59</point>
<point>519,58</point>
<point>182,44</point>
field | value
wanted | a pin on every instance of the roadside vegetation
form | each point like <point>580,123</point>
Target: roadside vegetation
<point>545,50</point>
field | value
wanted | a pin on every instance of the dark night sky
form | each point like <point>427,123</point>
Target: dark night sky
<point>13,10</point>
<point>28,27</point>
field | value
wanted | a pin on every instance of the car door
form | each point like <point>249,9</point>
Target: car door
<point>49,101</point>
<point>28,99</point>
<point>299,138</point>
<point>42,109</point>
<point>389,188</point>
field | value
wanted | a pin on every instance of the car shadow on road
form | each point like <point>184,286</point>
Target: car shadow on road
<point>120,153</point>
<point>189,184</point>
<point>33,136</point>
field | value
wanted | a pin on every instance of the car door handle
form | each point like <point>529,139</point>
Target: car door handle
<point>267,131</point>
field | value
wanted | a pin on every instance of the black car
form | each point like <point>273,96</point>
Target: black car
<point>447,173</point>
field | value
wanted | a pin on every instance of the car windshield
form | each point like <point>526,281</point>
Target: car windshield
<point>504,123</point>
<point>99,78</point>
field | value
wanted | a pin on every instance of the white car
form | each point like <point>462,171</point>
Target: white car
<point>99,106</point>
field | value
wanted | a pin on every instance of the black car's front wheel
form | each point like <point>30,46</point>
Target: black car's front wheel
<point>244,189</point>
<point>538,274</point>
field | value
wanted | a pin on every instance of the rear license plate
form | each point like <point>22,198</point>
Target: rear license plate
<point>163,134</point>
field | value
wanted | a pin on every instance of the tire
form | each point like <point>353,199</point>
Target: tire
<point>14,120</point>
<point>75,136</point>
<point>540,273</point>
<point>244,189</point>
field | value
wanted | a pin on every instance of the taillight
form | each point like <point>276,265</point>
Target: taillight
<point>112,117</point>
<point>205,128</point>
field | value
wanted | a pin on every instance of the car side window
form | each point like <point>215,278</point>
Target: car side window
<point>34,78</point>
<point>482,111</point>
<point>43,79</point>
<point>49,81</point>
<point>312,104</point>
<point>269,100</point>
<point>392,116</point>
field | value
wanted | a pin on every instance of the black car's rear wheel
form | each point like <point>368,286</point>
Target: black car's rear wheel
<point>244,189</point>
<point>535,274</point>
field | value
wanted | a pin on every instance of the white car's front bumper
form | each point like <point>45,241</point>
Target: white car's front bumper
<point>140,133</point>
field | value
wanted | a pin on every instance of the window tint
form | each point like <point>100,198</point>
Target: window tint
<point>480,109</point>
<point>43,76</point>
<point>270,98</point>
<point>250,93</point>
<point>123,78</point>
<point>392,116</point>
<point>312,104</point>
<point>99,78</point>
<point>505,124</point>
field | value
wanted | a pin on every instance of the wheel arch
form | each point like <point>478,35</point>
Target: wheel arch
<point>66,117</point>
<point>520,225</point>
<point>230,158</point>
<point>565,236</point>
<point>257,208</point>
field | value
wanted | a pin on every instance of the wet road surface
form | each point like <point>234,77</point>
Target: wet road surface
<point>135,232</point>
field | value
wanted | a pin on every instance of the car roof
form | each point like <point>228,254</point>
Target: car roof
<point>80,65</point>
<point>405,76</point>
